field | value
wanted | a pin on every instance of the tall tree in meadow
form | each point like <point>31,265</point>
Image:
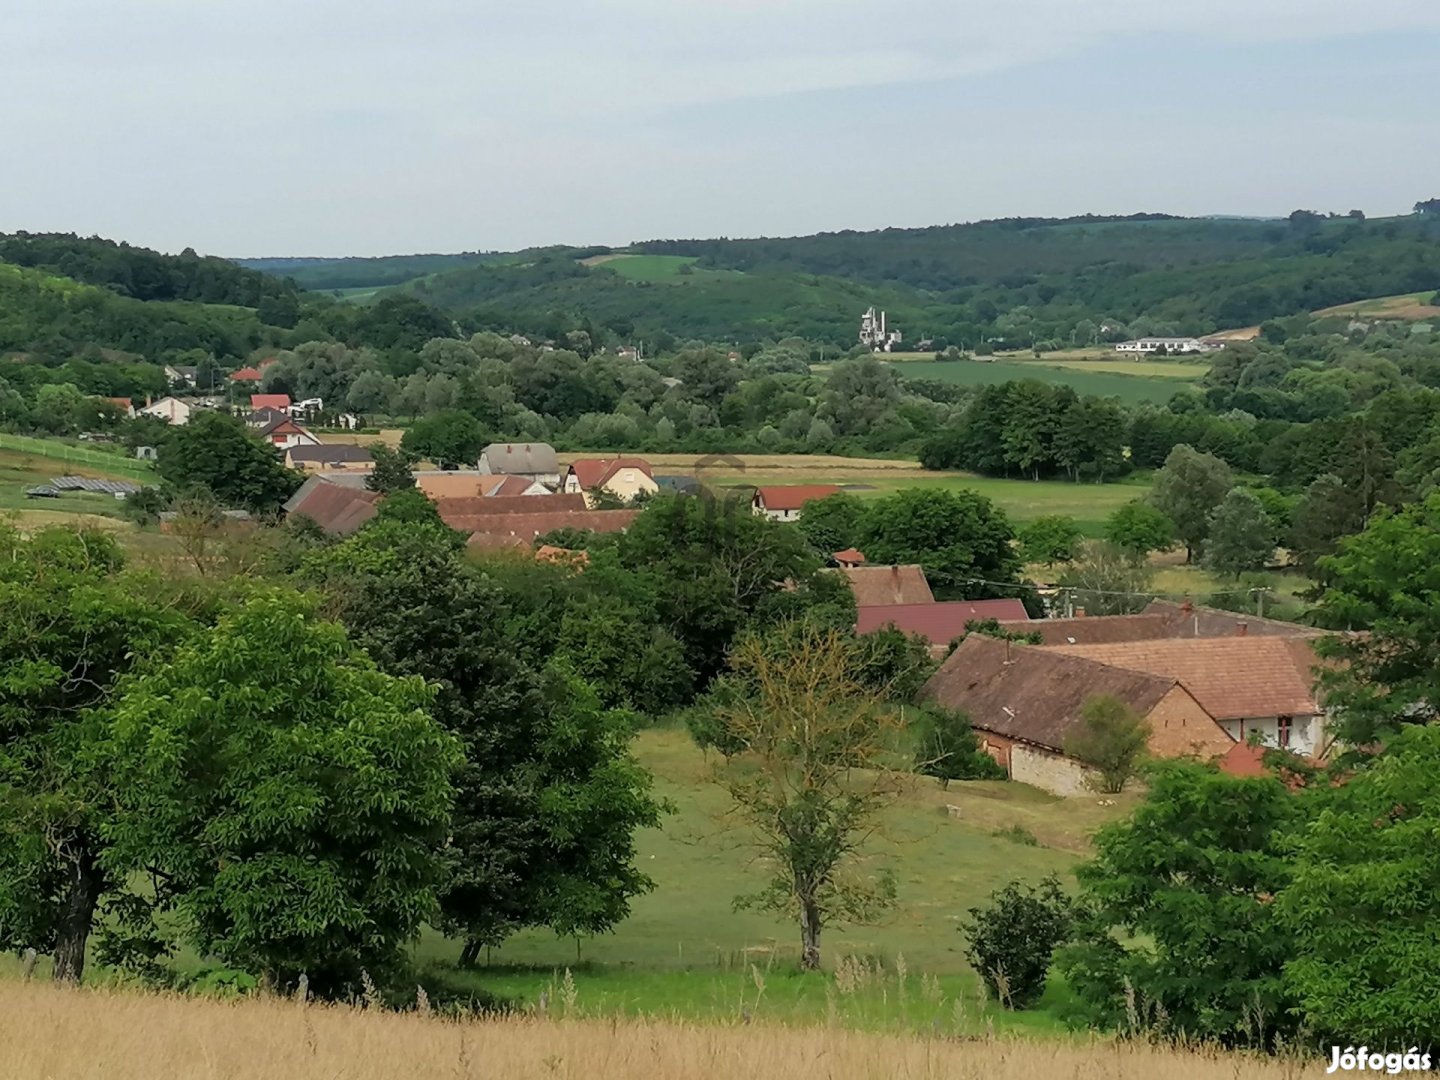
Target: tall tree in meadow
<point>813,775</point>
<point>1242,535</point>
<point>1187,489</point>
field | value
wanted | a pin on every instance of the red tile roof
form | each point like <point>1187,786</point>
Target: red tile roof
<point>1232,678</point>
<point>245,374</point>
<point>592,473</point>
<point>793,497</point>
<point>849,555</point>
<point>487,506</point>
<point>270,401</point>
<point>1095,629</point>
<point>939,623</point>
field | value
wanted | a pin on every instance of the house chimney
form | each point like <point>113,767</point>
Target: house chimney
<point>1242,628</point>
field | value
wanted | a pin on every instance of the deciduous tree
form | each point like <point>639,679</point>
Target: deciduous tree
<point>813,777</point>
<point>1112,739</point>
<point>1187,488</point>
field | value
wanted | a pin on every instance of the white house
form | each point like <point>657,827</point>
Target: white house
<point>625,478</point>
<point>171,410</point>
<point>1171,345</point>
<point>787,502</point>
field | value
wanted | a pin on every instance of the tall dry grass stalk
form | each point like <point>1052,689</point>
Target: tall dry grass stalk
<point>48,1032</point>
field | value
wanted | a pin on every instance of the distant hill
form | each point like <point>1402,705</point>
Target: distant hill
<point>1013,281</point>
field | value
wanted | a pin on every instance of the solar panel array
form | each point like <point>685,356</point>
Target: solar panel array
<point>86,483</point>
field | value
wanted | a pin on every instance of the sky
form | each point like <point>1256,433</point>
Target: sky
<point>369,127</point>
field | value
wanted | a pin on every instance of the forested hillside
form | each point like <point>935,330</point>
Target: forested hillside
<point>1013,283</point>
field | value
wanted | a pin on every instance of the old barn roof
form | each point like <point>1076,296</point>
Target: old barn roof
<point>1031,693</point>
<point>877,585</point>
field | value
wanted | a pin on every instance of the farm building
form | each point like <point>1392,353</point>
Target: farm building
<point>535,461</point>
<point>940,622</point>
<point>1170,345</point>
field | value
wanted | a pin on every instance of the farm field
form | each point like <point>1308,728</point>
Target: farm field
<point>686,949</point>
<point>46,1032</point>
<point>76,459</point>
<point>1129,388</point>
<point>1405,307</point>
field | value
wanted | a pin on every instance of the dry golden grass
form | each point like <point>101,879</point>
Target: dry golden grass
<point>47,1032</point>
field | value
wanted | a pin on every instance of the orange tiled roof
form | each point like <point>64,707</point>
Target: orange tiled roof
<point>1232,678</point>
<point>793,497</point>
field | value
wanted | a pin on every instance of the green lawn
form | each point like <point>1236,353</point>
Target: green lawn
<point>661,269</point>
<point>1132,389</point>
<point>1022,500</point>
<point>686,950</point>
<point>22,469</point>
<point>80,459</point>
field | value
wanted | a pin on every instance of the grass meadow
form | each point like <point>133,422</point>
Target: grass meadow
<point>47,1032</point>
<point>1132,389</point>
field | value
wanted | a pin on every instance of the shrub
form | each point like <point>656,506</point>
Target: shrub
<point>1111,738</point>
<point>1012,939</point>
<point>947,748</point>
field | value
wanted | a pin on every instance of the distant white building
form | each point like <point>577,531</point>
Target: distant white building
<point>171,410</point>
<point>1171,345</point>
<point>874,334</point>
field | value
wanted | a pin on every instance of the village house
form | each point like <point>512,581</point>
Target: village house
<point>277,402</point>
<point>171,410</point>
<point>881,586</point>
<point>479,513</point>
<point>124,404</point>
<point>785,503</point>
<point>536,461</point>
<point>245,374</point>
<point>1024,700</point>
<point>339,509</point>
<point>325,457</point>
<point>624,478</point>
<point>1259,687</point>
<point>283,432</point>
<point>850,559</point>
<point>469,483</point>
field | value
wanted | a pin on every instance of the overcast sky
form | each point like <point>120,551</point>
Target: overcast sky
<point>364,127</point>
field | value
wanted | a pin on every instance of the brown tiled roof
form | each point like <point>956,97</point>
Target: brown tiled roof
<point>592,473</point>
<point>1231,677</point>
<point>1094,630</point>
<point>875,585</point>
<point>485,506</point>
<point>939,623</point>
<point>1031,693</point>
<point>849,555</point>
<point>506,529</point>
<point>1204,622</point>
<point>336,509</point>
<point>794,497</point>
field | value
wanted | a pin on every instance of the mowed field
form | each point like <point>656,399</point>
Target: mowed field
<point>47,1033</point>
<point>1131,387</point>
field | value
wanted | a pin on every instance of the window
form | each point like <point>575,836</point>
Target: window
<point>1282,732</point>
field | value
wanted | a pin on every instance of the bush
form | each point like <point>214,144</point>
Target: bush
<point>1112,739</point>
<point>947,748</point>
<point>1012,940</point>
